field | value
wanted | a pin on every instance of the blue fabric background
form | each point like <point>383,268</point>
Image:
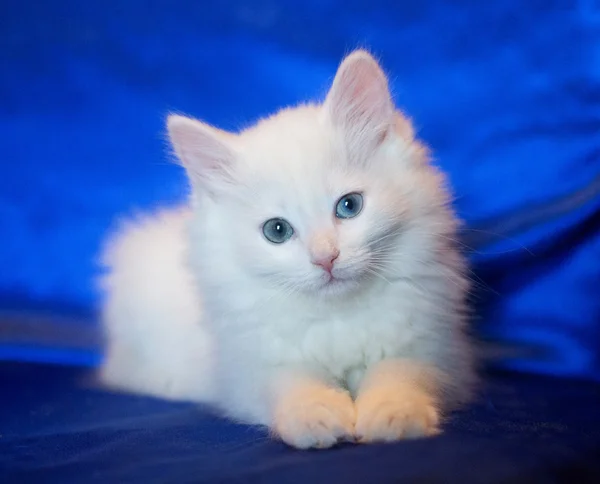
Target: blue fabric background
<point>507,93</point>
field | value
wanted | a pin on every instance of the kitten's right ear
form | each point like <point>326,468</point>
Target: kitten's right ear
<point>360,104</point>
<point>204,151</point>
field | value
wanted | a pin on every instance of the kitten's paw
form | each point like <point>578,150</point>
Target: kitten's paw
<point>316,419</point>
<point>386,416</point>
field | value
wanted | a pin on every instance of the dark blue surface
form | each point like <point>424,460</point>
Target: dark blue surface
<point>524,430</point>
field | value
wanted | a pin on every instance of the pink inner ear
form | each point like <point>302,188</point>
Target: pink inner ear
<point>203,150</point>
<point>363,90</point>
<point>360,101</point>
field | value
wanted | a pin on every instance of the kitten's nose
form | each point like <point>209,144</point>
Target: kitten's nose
<point>326,261</point>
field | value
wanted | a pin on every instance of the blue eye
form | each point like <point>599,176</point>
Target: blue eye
<point>349,206</point>
<point>277,230</point>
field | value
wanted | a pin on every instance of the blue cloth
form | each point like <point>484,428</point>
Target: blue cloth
<point>505,92</point>
<point>54,429</point>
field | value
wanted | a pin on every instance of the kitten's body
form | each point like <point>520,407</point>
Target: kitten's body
<point>201,307</point>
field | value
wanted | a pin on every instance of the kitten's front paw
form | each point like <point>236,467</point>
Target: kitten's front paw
<point>316,419</point>
<point>386,416</point>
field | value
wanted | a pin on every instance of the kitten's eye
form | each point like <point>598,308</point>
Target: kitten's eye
<point>349,206</point>
<point>277,230</point>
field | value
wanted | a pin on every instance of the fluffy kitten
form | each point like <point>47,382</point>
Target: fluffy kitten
<point>311,285</point>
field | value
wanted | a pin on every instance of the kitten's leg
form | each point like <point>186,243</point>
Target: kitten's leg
<point>309,412</point>
<point>397,399</point>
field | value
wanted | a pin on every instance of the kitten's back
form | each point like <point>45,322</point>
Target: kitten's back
<point>152,315</point>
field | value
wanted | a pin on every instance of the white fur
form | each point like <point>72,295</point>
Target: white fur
<point>200,306</point>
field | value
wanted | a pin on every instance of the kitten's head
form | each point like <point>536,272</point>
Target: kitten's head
<point>319,199</point>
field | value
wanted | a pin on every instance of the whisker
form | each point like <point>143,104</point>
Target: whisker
<point>377,274</point>
<point>497,234</point>
<point>448,273</point>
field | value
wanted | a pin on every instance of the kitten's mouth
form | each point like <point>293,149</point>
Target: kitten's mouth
<point>330,278</point>
<point>335,282</point>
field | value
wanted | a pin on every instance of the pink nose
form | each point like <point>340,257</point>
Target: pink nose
<point>326,262</point>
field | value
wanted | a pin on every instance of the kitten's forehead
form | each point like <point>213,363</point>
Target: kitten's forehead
<point>293,167</point>
<point>295,145</point>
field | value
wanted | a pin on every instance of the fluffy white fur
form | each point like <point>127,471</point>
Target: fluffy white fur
<point>200,306</point>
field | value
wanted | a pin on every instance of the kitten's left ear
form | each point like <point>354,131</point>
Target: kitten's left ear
<point>359,101</point>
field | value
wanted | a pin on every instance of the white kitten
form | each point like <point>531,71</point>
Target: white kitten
<point>312,285</point>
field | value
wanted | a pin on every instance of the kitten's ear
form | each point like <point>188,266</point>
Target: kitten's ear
<point>204,151</point>
<point>359,101</point>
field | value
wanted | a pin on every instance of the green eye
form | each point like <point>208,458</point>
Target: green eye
<point>277,230</point>
<point>349,206</point>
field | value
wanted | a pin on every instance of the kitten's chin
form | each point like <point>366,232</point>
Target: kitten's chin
<point>337,286</point>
